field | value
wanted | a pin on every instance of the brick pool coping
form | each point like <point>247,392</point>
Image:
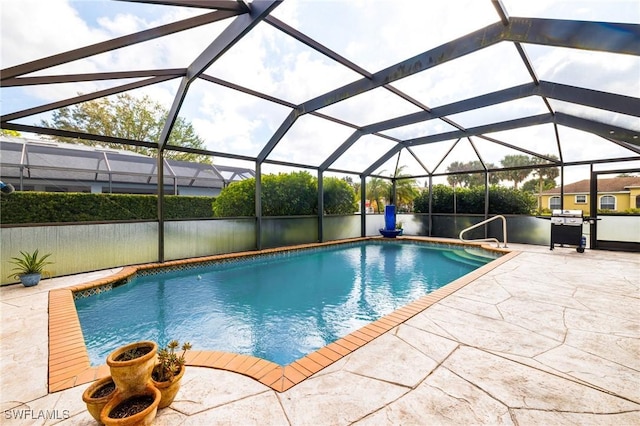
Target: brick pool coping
<point>69,363</point>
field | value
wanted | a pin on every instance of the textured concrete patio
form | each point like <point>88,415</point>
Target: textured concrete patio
<point>545,338</point>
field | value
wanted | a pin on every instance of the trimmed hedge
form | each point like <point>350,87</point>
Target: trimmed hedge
<point>286,194</point>
<point>471,200</point>
<point>56,207</point>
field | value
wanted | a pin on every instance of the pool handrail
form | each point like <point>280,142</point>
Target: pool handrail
<point>504,231</point>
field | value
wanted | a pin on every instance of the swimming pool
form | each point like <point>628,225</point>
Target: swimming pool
<point>278,307</point>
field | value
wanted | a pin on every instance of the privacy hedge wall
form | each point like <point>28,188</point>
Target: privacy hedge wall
<point>54,207</point>
<point>471,200</point>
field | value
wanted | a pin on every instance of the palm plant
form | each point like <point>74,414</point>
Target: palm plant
<point>517,175</point>
<point>406,190</point>
<point>544,174</point>
<point>30,263</point>
<point>376,189</point>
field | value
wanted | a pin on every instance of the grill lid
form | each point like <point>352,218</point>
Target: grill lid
<point>566,213</point>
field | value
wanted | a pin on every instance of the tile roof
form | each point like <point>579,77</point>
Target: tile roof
<point>616,184</point>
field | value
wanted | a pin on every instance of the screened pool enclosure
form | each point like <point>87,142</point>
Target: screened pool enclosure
<point>369,90</point>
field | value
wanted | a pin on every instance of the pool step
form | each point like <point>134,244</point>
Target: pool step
<point>481,254</point>
<point>466,258</point>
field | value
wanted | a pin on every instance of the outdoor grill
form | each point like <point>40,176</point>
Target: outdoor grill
<point>566,228</point>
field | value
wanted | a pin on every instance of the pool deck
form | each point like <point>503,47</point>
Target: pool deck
<point>547,337</point>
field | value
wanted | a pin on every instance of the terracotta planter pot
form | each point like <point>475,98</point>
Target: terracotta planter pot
<point>95,405</point>
<point>132,375</point>
<point>143,418</point>
<point>169,389</point>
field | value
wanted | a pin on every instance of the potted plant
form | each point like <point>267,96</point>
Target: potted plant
<point>97,395</point>
<point>30,267</point>
<point>132,408</point>
<point>399,227</point>
<point>168,373</point>
<point>131,365</point>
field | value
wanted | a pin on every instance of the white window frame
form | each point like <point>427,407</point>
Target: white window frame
<point>583,197</point>
<point>553,197</point>
<point>615,202</point>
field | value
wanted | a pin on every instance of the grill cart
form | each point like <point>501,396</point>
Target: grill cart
<point>566,228</point>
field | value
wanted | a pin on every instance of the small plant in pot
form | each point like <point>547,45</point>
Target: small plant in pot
<point>168,373</point>
<point>399,227</point>
<point>30,267</point>
<point>97,395</point>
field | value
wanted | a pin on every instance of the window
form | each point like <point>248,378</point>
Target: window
<point>554,203</point>
<point>637,201</point>
<point>581,199</point>
<point>607,202</point>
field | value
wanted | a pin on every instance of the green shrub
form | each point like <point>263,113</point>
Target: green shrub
<point>502,200</point>
<point>338,196</point>
<point>285,194</point>
<point>56,207</point>
<point>237,199</point>
<point>289,194</point>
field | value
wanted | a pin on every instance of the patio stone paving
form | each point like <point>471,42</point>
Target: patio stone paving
<point>549,337</point>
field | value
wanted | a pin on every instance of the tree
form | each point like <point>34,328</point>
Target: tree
<point>285,194</point>
<point>406,190</point>
<point>237,199</point>
<point>377,188</point>
<point>475,177</point>
<point>532,185</point>
<point>338,196</point>
<point>544,174</point>
<point>128,117</point>
<point>355,185</point>
<point>518,175</point>
<point>294,193</point>
<point>5,132</point>
<point>456,179</point>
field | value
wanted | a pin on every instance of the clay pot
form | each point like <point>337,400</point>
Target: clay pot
<point>169,389</point>
<point>134,374</point>
<point>142,418</point>
<point>95,405</point>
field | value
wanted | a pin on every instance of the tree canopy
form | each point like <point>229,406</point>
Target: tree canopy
<point>406,190</point>
<point>518,175</point>
<point>286,194</point>
<point>474,177</point>
<point>127,117</point>
<point>377,188</point>
<point>6,132</point>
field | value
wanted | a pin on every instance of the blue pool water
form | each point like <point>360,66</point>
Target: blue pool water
<point>279,308</point>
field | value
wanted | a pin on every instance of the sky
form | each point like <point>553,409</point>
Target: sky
<point>374,34</point>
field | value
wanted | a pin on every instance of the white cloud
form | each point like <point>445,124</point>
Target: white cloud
<point>122,24</point>
<point>310,141</point>
<point>33,29</point>
<point>374,34</point>
<point>584,10</point>
<point>602,71</point>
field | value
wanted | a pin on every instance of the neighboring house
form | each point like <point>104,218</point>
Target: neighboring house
<point>44,165</point>
<point>614,194</point>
